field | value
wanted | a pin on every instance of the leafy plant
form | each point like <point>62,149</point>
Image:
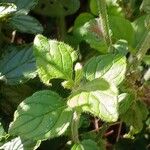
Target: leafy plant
<point>109,82</point>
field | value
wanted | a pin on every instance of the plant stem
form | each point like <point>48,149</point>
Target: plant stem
<point>143,48</point>
<point>103,129</point>
<point>119,131</point>
<point>62,28</point>
<point>13,36</point>
<point>74,127</point>
<point>105,22</point>
<point>96,124</point>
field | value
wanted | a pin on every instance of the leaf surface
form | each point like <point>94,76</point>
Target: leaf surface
<point>17,65</point>
<point>20,144</point>
<point>54,59</point>
<point>7,8</point>
<point>125,102</point>
<point>43,115</point>
<point>139,29</point>
<point>111,67</point>
<point>97,97</point>
<point>82,19</point>
<point>121,29</point>
<point>23,6</point>
<point>25,24</point>
<point>92,33</point>
<point>113,7</point>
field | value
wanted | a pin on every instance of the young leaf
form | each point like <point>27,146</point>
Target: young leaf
<point>85,145</point>
<point>54,59</point>
<point>92,33</point>
<point>43,115</point>
<point>79,23</point>
<point>21,144</point>
<point>57,8</point>
<point>6,8</point>
<point>97,97</point>
<point>121,29</point>
<point>25,23</point>
<point>111,67</point>
<point>78,73</point>
<point>17,65</point>
<point>82,19</point>
<point>139,29</point>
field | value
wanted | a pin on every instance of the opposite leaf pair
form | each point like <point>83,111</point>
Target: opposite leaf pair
<point>45,114</point>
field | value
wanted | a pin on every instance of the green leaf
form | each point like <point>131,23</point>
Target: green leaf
<point>2,131</point>
<point>6,9</point>
<point>111,67</point>
<point>17,65</point>
<point>92,33</point>
<point>23,6</point>
<point>82,19</point>
<point>85,145</point>
<point>96,84</point>
<point>79,23</point>
<point>57,8</point>
<point>121,46</point>
<point>125,102</point>
<point>54,59</point>
<point>135,115</point>
<point>25,24</point>
<point>94,7</point>
<point>39,117</point>
<point>139,29</point>
<point>113,7</point>
<point>21,144</point>
<point>121,29</point>
<point>97,97</point>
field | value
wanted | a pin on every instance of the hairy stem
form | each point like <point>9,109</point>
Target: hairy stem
<point>74,127</point>
<point>105,22</point>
